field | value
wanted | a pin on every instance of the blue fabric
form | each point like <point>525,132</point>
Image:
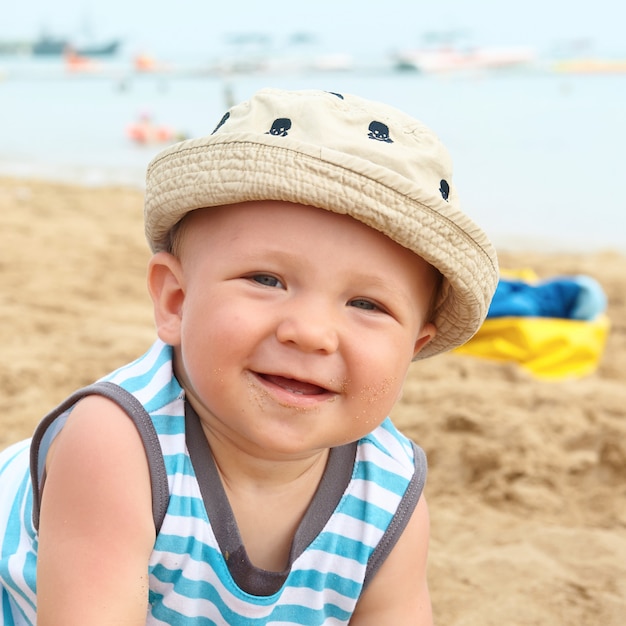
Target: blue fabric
<point>566,297</point>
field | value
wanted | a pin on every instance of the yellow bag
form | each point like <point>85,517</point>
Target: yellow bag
<point>549,348</point>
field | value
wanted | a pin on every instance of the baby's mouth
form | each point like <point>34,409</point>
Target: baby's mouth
<point>292,385</point>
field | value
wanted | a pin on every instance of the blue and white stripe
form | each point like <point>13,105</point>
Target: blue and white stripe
<point>18,548</point>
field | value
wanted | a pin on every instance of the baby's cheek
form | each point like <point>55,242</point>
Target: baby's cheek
<point>376,400</point>
<point>380,392</point>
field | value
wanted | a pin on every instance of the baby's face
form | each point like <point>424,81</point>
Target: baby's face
<point>297,326</point>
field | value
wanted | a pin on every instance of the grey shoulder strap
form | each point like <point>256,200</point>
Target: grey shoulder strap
<point>137,413</point>
<point>401,519</point>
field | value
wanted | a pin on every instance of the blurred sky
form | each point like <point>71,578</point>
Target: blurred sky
<point>340,26</point>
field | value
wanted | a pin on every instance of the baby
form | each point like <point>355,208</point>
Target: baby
<point>244,470</point>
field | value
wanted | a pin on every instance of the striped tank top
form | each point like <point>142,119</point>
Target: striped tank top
<point>199,572</point>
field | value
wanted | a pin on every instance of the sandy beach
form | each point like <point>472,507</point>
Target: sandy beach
<point>527,482</point>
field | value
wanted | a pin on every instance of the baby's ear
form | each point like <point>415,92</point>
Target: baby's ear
<point>166,287</point>
<point>427,334</point>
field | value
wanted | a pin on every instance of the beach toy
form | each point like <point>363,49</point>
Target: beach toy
<point>555,329</point>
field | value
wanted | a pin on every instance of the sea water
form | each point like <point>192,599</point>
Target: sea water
<point>539,157</point>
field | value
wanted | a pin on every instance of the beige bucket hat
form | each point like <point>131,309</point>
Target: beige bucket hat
<point>344,154</point>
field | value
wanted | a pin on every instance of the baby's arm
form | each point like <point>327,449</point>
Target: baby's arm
<point>96,528</point>
<point>398,593</point>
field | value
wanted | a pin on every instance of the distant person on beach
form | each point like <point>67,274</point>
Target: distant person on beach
<point>146,131</point>
<point>244,470</point>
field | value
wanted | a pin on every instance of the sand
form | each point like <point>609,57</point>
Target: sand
<point>527,482</point>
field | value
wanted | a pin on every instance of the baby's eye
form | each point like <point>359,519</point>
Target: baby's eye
<point>366,305</point>
<point>266,279</point>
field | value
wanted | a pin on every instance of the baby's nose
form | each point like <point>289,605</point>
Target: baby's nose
<point>309,326</point>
